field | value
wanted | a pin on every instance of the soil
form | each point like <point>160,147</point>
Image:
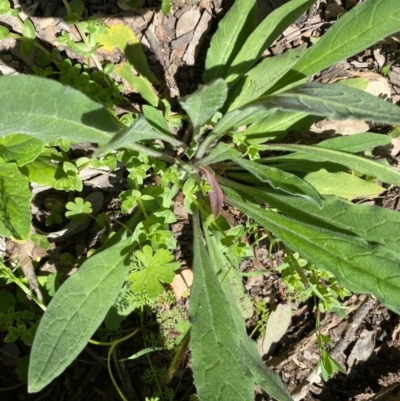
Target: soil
<point>367,338</point>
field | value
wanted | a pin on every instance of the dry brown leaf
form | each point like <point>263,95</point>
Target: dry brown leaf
<point>181,283</point>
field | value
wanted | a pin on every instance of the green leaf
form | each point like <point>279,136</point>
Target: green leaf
<point>156,119</point>
<point>20,148</point>
<point>277,125</point>
<point>15,197</point>
<point>165,6</point>
<point>152,270</point>
<point>121,37</point>
<point>231,35</point>
<point>28,29</point>
<point>218,154</point>
<point>47,171</point>
<point>262,77</point>
<point>264,35</point>
<point>78,208</point>
<point>337,215</point>
<point>37,107</point>
<point>5,7</point>
<point>342,184</point>
<point>358,265</point>
<point>4,32</point>
<point>139,83</point>
<point>280,179</point>
<point>339,102</point>
<point>277,178</point>
<point>205,102</point>
<point>75,11</point>
<point>356,143</point>
<point>240,117</point>
<point>352,162</point>
<point>140,130</point>
<point>76,311</point>
<point>27,47</point>
<point>225,361</point>
<point>355,31</point>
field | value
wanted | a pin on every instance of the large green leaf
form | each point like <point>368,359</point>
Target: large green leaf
<point>336,215</point>
<point>77,310</point>
<point>232,33</point>
<point>355,31</point>
<point>342,184</point>
<point>307,162</point>
<point>277,125</point>
<point>353,162</point>
<point>356,143</point>
<point>339,102</point>
<point>15,197</point>
<point>203,104</point>
<point>48,111</point>
<point>264,35</point>
<point>262,77</point>
<point>224,358</point>
<point>358,265</point>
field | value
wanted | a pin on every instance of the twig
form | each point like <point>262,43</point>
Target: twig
<point>302,389</point>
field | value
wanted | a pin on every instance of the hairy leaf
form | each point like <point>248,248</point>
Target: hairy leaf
<point>156,119</point>
<point>342,184</point>
<point>262,77</point>
<point>358,265</point>
<point>336,215</point>
<point>339,102</point>
<point>84,300</point>
<point>264,35</point>
<point>356,143</point>
<point>356,30</point>
<point>277,125</point>
<point>277,178</point>
<point>48,111</point>
<point>230,120</point>
<point>280,179</point>
<point>223,356</point>
<point>203,104</point>
<point>232,33</point>
<point>352,162</point>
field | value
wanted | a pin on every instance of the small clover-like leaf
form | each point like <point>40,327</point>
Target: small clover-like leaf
<point>150,270</point>
<point>129,199</point>
<point>77,210</point>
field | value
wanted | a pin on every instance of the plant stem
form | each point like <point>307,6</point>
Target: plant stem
<point>36,44</point>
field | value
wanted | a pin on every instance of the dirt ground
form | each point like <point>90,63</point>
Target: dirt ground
<point>367,338</point>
